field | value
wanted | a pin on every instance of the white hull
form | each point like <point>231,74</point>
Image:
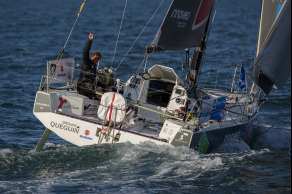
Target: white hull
<point>79,125</point>
<point>81,133</point>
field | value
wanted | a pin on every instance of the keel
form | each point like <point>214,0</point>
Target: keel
<point>43,140</point>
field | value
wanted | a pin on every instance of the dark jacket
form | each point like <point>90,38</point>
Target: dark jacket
<point>88,71</point>
<point>88,68</point>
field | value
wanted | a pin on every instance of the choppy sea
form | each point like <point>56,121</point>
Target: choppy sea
<point>33,31</point>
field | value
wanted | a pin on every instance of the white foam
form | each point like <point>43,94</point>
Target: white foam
<point>120,171</point>
<point>5,151</point>
<point>172,161</point>
<point>233,145</point>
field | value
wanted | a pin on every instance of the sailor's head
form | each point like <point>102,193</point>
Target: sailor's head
<point>95,57</point>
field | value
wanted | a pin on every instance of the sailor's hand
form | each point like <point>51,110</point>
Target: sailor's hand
<point>91,36</point>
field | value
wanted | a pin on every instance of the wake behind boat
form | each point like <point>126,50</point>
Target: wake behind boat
<point>159,106</point>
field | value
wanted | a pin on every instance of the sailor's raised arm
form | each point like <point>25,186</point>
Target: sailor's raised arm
<point>87,48</point>
<point>91,36</point>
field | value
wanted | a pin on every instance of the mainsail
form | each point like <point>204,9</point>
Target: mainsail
<point>273,61</point>
<point>184,25</point>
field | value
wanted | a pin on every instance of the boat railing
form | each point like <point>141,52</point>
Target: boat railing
<point>58,72</point>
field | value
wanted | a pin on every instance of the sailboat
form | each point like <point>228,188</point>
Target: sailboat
<point>160,107</point>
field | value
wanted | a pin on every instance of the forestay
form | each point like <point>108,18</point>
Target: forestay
<point>273,62</point>
<point>184,25</point>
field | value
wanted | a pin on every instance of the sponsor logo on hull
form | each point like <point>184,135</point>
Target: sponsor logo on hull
<point>86,135</point>
<point>65,126</point>
<point>62,101</point>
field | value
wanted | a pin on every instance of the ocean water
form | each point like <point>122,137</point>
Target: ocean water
<point>31,32</point>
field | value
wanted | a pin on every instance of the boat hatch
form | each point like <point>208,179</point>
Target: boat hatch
<point>159,92</point>
<point>162,72</point>
<point>163,79</point>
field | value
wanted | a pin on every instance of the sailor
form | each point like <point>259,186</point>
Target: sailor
<point>87,82</point>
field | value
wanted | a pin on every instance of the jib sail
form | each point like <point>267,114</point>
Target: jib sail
<point>273,61</point>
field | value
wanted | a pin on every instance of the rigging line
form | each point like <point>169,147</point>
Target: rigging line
<point>62,51</point>
<point>244,36</point>
<point>151,110</point>
<point>146,63</point>
<point>138,71</point>
<point>215,70</point>
<point>119,33</point>
<point>77,70</point>
<point>216,83</point>
<point>74,24</point>
<point>140,57</point>
<point>132,103</point>
<point>56,66</point>
<point>232,48</point>
<point>228,77</point>
<point>51,70</point>
<point>172,61</point>
<point>207,77</point>
<point>140,34</point>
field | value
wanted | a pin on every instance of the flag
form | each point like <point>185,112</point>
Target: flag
<point>242,78</point>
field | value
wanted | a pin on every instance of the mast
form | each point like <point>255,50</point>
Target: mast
<point>195,64</point>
